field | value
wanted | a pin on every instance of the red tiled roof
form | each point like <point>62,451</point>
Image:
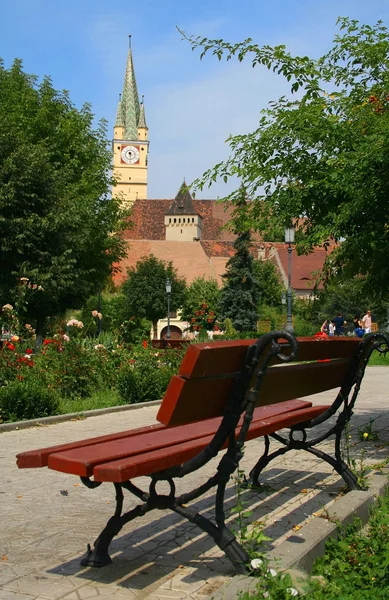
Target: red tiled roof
<point>148,220</point>
<point>304,267</point>
<point>208,257</point>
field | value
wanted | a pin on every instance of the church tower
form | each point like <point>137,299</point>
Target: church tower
<point>182,221</point>
<point>130,143</point>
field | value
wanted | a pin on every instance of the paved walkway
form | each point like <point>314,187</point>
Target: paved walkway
<point>47,518</point>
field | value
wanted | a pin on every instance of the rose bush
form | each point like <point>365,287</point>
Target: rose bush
<point>147,374</point>
<point>70,366</point>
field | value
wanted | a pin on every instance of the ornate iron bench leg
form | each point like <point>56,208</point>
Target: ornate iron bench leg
<point>265,459</point>
<point>99,556</point>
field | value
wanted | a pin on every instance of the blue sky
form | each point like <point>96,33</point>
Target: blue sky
<point>191,105</point>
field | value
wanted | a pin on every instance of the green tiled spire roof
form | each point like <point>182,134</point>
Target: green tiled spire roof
<point>183,203</point>
<point>129,107</point>
<point>119,117</point>
<point>142,116</point>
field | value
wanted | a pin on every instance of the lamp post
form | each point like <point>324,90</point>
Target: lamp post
<point>168,292</point>
<point>283,302</point>
<point>289,239</point>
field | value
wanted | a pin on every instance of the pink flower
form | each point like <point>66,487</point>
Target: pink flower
<point>75,323</point>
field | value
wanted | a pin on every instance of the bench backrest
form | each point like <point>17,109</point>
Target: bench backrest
<point>208,372</point>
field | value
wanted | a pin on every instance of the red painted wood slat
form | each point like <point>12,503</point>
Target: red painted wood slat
<point>194,399</point>
<point>284,382</point>
<point>39,458</point>
<point>81,461</point>
<point>208,359</point>
<point>150,462</point>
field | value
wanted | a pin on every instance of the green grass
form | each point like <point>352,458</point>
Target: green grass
<point>379,360</point>
<point>354,567</point>
<point>101,399</point>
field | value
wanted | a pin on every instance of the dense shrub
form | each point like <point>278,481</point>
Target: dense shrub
<point>303,327</point>
<point>73,370</point>
<point>148,374</point>
<point>21,400</point>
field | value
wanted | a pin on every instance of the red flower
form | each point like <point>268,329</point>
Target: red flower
<point>10,346</point>
<point>20,377</point>
<point>46,342</point>
<point>28,351</point>
<point>144,344</point>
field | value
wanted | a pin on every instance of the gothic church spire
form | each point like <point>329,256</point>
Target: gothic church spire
<point>129,110</point>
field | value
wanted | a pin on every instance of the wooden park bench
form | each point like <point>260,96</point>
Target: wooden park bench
<point>226,393</point>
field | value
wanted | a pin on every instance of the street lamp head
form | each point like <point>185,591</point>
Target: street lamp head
<point>168,286</point>
<point>289,234</point>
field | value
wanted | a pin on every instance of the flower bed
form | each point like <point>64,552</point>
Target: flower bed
<point>73,369</point>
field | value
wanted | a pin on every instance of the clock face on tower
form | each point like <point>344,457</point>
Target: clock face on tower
<point>130,154</point>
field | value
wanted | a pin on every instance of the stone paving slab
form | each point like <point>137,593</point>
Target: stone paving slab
<point>48,517</point>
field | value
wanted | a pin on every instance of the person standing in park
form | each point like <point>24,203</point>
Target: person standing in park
<point>358,330</point>
<point>366,322</point>
<point>339,323</point>
<point>325,327</point>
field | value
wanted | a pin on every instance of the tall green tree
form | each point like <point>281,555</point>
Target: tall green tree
<point>145,290</point>
<point>240,293</point>
<point>200,291</point>
<point>325,155</point>
<point>59,228</point>
<point>269,282</point>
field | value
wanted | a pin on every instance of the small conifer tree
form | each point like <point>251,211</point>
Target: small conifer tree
<point>240,294</point>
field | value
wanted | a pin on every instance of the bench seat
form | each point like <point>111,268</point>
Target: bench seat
<point>135,453</point>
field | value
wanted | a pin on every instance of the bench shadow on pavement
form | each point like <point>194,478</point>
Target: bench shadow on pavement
<point>145,555</point>
<point>168,543</point>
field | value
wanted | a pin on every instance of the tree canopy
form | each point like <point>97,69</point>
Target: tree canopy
<point>200,291</point>
<point>321,158</point>
<point>269,282</point>
<point>145,289</point>
<point>59,228</point>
